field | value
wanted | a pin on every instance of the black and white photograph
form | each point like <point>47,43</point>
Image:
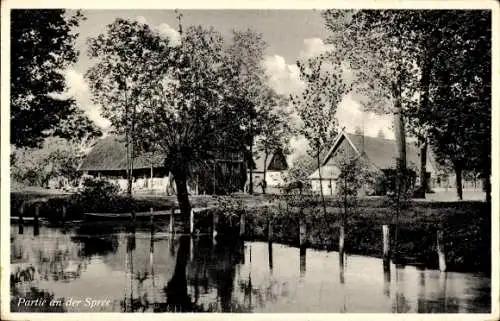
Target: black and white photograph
<point>250,160</point>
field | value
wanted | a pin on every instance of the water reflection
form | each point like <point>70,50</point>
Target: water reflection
<point>139,271</point>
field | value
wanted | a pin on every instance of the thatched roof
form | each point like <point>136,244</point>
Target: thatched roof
<point>380,152</point>
<point>110,153</point>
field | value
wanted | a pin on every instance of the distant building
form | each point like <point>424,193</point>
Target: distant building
<point>276,167</point>
<point>108,159</point>
<point>379,153</point>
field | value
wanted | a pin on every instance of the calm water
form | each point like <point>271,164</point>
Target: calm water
<point>123,271</point>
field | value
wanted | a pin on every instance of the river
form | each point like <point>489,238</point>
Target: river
<point>105,268</point>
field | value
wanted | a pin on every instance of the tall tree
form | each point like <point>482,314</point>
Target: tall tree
<point>42,44</point>
<point>122,62</point>
<point>188,111</point>
<point>458,114</point>
<point>375,46</point>
<point>316,105</point>
<point>249,86</point>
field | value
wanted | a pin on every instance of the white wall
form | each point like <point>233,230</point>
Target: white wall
<point>329,186</point>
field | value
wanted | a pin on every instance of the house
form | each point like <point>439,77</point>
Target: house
<point>223,174</point>
<point>108,159</point>
<point>275,167</point>
<point>379,153</point>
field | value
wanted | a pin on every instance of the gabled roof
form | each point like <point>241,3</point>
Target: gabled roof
<point>381,152</point>
<point>259,160</point>
<point>110,153</point>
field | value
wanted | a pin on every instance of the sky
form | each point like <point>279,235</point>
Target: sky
<point>290,35</point>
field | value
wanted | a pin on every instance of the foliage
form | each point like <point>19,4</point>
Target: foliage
<point>461,79</point>
<point>57,158</point>
<point>317,104</point>
<point>262,113</point>
<point>124,57</point>
<point>354,174</point>
<point>300,170</point>
<point>100,195</point>
<point>427,62</point>
<point>42,45</point>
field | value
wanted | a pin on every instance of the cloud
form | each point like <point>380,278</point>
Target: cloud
<point>283,77</point>
<point>79,90</point>
<point>350,115</point>
<point>141,20</point>
<point>170,33</point>
<point>314,47</point>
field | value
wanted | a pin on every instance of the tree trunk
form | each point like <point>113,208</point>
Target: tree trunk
<point>265,173</point>
<point>423,169</point>
<point>250,186</point>
<point>458,182</point>
<point>321,182</point>
<point>180,177</point>
<point>127,145</point>
<point>424,101</point>
<point>176,289</point>
<point>399,131</point>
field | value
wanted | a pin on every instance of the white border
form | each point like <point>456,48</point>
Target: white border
<point>246,4</point>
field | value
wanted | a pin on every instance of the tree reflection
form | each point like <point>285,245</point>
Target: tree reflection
<point>21,288</point>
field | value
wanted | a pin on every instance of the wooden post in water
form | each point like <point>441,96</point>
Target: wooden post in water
<point>341,245</point>
<point>386,248</point>
<point>21,219</point>
<point>171,225</point>
<point>302,233</point>
<point>63,213</point>
<point>440,251</point>
<point>215,222</point>
<point>270,252</point>
<point>151,219</point>
<point>269,231</point>
<point>302,262</point>
<point>191,222</point>
<point>36,223</point>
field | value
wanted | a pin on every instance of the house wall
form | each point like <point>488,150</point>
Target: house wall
<point>328,185</point>
<point>273,178</point>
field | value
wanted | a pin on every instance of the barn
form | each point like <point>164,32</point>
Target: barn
<point>275,167</point>
<point>223,174</point>
<point>379,153</point>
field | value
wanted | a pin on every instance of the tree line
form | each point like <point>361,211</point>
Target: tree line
<point>193,99</point>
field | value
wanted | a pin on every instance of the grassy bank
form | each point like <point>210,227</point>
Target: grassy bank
<point>466,227</point>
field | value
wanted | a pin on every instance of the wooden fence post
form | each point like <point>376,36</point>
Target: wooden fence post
<point>270,252</point>
<point>302,233</point>
<point>36,224</point>
<point>302,258</point>
<point>63,213</point>
<point>386,247</point>
<point>242,225</point>
<point>132,216</point>
<point>341,245</point>
<point>191,222</point>
<point>215,222</point>
<point>151,219</point>
<point>171,225</point>
<point>269,231</point>
<point>21,219</point>
<point>440,251</point>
